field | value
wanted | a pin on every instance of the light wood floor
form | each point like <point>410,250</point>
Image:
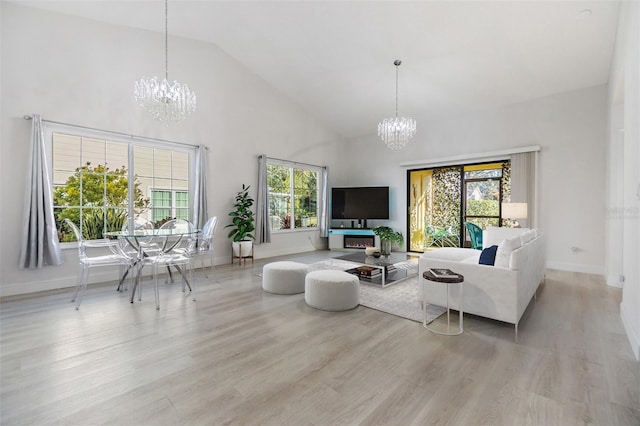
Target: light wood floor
<point>241,356</point>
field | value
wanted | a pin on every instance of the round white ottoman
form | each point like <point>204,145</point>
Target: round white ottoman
<point>332,290</point>
<point>284,277</point>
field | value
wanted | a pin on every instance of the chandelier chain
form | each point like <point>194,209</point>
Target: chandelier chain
<point>168,102</point>
<point>397,66</point>
<point>396,132</point>
<point>166,39</point>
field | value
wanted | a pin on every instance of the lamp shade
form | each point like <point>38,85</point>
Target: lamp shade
<point>514,210</point>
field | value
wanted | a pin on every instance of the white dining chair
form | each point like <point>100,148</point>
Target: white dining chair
<point>136,246</point>
<point>141,227</point>
<point>175,254</point>
<point>117,258</point>
<point>205,245</point>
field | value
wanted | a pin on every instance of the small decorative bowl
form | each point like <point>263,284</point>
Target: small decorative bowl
<point>371,251</point>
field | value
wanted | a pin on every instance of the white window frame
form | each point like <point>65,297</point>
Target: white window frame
<point>49,128</point>
<point>293,165</point>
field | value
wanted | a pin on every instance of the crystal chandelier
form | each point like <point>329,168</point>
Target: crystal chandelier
<point>396,132</point>
<point>168,102</point>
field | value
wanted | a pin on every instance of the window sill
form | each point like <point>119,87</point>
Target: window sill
<point>74,246</point>
<point>292,231</point>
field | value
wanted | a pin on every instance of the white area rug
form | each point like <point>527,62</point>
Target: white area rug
<point>401,299</point>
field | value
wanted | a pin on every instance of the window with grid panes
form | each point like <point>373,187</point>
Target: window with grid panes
<point>98,182</point>
<point>170,205</point>
<point>293,196</point>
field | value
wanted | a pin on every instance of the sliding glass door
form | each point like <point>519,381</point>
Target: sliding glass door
<point>482,196</point>
<point>442,199</point>
<point>435,205</point>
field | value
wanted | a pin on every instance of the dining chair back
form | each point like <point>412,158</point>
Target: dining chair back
<point>141,226</point>
<point>475,235</point>
<point>441,236</point>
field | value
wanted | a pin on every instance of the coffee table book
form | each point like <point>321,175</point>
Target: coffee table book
<point>389,272</point>
<point>368,271</point>
<point>442,273</point>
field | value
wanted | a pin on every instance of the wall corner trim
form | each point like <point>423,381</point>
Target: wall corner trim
<point>632,334</point>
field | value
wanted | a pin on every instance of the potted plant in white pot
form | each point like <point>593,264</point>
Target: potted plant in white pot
<point>388,237</point>
<point>242,224</point>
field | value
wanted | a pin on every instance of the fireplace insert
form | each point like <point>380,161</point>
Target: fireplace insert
<point>359,241</point>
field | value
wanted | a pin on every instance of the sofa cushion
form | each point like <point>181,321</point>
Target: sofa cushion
<point>473,259</point>
<point>527,236</point>
<point>453,254</point>
<point>505,248</point>
<point>493,235</point>
<point>488,256</point>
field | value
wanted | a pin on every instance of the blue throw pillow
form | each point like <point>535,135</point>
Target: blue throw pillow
<point>488,256</point>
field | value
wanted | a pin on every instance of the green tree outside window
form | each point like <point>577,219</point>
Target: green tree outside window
<point>99,196</point>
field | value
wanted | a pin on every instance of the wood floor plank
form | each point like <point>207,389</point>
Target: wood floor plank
<point>242,356</point>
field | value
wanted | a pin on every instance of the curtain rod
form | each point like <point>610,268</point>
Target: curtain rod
<point>460,159</point>
<point>28,117</point>
<point>295,163</point>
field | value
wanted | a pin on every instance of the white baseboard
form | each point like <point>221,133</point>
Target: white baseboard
<point>15,289</point>
<point>283,252</point>
<point>95,276</point>
<point>614,281</point>
<point>576,267</point>
<point>632,334</point>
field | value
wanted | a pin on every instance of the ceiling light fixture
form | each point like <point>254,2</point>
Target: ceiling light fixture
<point>166,102</point>
<point>396,132</point>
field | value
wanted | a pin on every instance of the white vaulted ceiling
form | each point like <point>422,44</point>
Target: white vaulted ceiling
<point>335,58</point>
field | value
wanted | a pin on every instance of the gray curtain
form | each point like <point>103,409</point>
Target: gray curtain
<point>40,245</point>
<point>324,205</point>
<point>200,212</point>
<point>262,203</point>
<point>523,184</point>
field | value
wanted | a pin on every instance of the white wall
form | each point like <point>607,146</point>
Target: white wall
<point>82,72</point>
<point>571,131</point>
<point>623,172</point>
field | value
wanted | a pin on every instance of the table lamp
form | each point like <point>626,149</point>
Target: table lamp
<point>514,211</point>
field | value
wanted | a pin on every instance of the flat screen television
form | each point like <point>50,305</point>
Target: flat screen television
<point>362,202</point>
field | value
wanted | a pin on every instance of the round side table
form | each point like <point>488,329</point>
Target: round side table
<point>449,278</point>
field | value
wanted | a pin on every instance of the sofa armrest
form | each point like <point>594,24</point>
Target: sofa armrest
<point>489,291</point>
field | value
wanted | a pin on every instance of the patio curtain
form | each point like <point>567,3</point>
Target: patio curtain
<point>523,184</point>
<point>200,211</point>
<point>40,244</point>
<point>323,223</point>
<point>262,203</point>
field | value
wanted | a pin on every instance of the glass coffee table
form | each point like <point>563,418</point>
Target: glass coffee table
<point>382,271</point>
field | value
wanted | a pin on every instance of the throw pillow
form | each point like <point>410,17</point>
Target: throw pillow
<point>527,236</point>
<point>505,248</point>
<point>488,256</point>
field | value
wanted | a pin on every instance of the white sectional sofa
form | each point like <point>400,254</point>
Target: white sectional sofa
<point>502,291</point>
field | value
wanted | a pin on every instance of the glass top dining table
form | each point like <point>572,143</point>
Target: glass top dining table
<point>170,237</point>
<point>160,232</point>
